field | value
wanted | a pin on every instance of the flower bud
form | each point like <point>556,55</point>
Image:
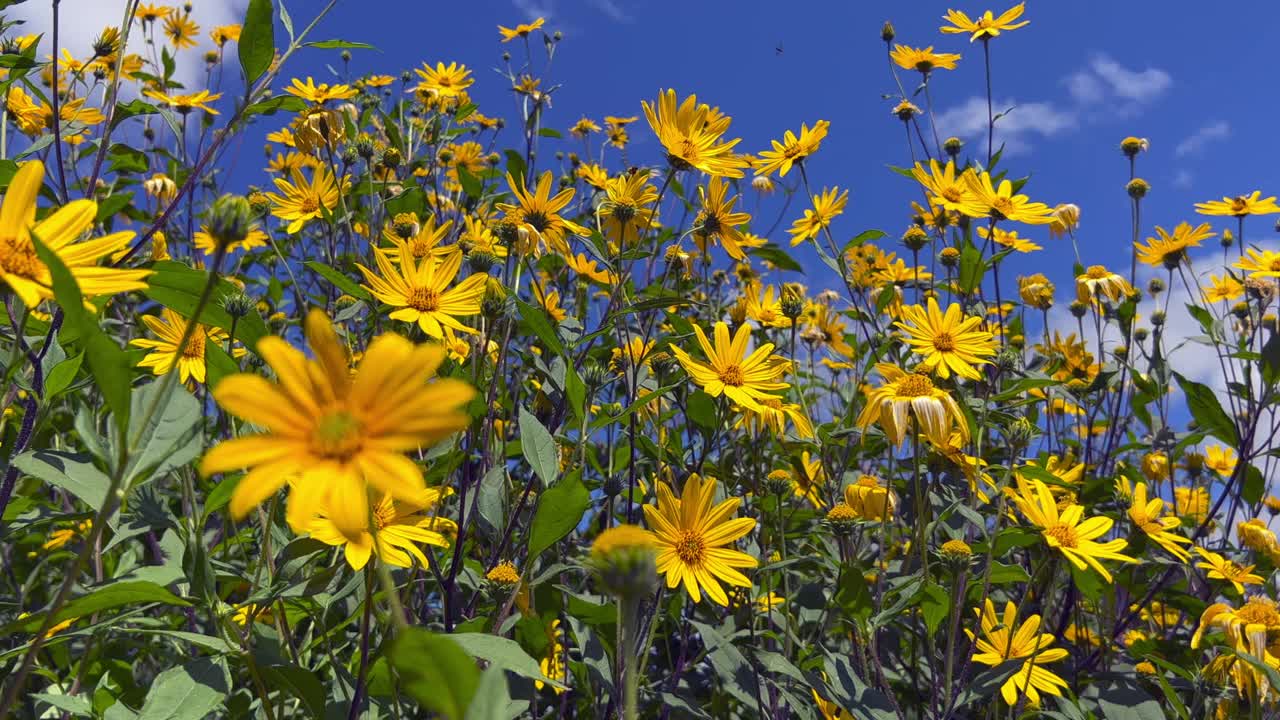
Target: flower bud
<point>230,219</point>
<point>955,551</point>
<point>842,519</point>
<point>778,482</point>
<point>1137,188</point>
<point>952,146</point>
<point>949,257</point>
<point>887,32</point>
<point>625,560</point>
<point>238,305</point>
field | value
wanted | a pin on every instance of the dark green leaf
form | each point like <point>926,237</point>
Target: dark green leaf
<point>539,448</point>
<point>1205,408</point>
<point>435,671</point>
<point>187,692</point>
<point>340,281</point>
<point>340,45</point>
<point>106,597</point>
<point>560,509</point>
<point>257,44</point>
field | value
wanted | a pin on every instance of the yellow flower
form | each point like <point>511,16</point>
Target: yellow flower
<point>1081,635</point>
<point>553,663</point>
<point>420,292</point>
<point>691,134</point>
<point>826,207</point>
<point>1240,206</point>
<point>1036,291</point>
<point>627,211</point>
<point>332,432</point>
<point>1220,568</point>
<point>1066,218</point>
<point>319,94</point>
<point>181,30</point>
<point>444,81</point>
<point>764,308</point>
<point>769,601</point>
<point>1098,282</point>
<point>950,342</point>
<point>1259,263</point>
<point>1191,503</point>
<point>245,613</point>
<point>1003,639</point>
<point>1002,203</point>
<point>870,500</point>
<point>425,243</point>
<point>718,221</point>
<point>773,416</point>
<point>399,527</point>
<point>303,200</point>
<point>63,536</point>
<point>729,371</point>
<point>521,30</point>
<point>595,175</point>
<point>808,483</point>
<point>60,231</point>
<point>223,34</point>
<point>1170,249</point>
<point>504,573</point>
<point>1223,288</point>
<point>904,394</point>
<point>1009,239</point>
<point>205,242</point>
<point>1067,531</point>
<point>1155,466</point>
<point>1254,629</point>
<point>149,12</point>
<point>539,213</point>
<point>1221,460</point>
<point>924,60</point>
<point>691,536</point>
<point>165,356</point>
<point>1255,535</point>
<point>986,26</point>
<point>1146,516</point>
<point>792,149</point>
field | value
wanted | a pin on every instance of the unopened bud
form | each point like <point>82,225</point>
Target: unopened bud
<point>230,219</point>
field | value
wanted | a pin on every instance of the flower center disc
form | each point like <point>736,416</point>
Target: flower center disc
<point>1064,534</point>
<point>944,342</point>
<point>195,346</point>
<point>18,257</point>
<point>691,549</point>
<point>915,385</point>
<point>337,435</point>
<point>732,375</point>
<point>424,300</point>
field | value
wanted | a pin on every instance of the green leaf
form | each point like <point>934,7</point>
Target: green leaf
<point>340,281</point>
<point>126,159</point>
<point>778,257</point>
<point>169,440</point>
<point>539,448</point>
<point>1255,486</point>
<point>300,683</point>
<point>340,45</point>
<point>971,269</point>
<point>935,603</point>
<point>540,325</point>
<point>550,132</point>
<point>272,105</point>
<point>72,472</point>
<point>735,673</point>
<point>106,597</point>
<point>851,693</point>
<point>1002,574</point>
<point>492,501</point>
<point>560,509</point>
<point>133,108</point>
<point>257,44</point>
<point>1205,408</point>
<point>178,288</point>
<point>1126,700</point>
<point>493,698</point>
<point>435,671</point>
<point>701,409</point>
<point>61,375</point>
<point>112,371</point>
<point>502,653</point>
<point>188,692</point>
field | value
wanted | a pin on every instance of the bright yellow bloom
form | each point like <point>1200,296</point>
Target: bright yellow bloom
<point>398,528</point>
<point>223,34</point>
<point>1002,203</point>
<point>1067,531</point>
<point>205,242</point>
<point>1223,288</point>
<point>1259,263</point>
<point>1009,239</point>
<point>950,342</point>
<point>1220,568</point>
<point>773,416</point>
<point>1099,282</point>
<point>150,12</point>
<point>539,213</point>
<point>521,30</point>
<point>718,221</point>
<point>553,664</point>
<point>60,231</point>
<point>808,483</point>
<point>1170,249</point>
<point>335,433</point>
<point>924,60</point>
<point>763,307</point>
<point>1254,629</point>
<point>904,394</point>
<point>870,500</point>
<point>444,81</point>
<point>691,133</point>
<point>420,292</point>
<point>422,244</point>
<point>245,613</point>
<point>1240,206</point>
<point>61,537</point>
<point>304,200</point>
<point>1003,639</point>
<point>1255,535</point>
<point>190,361</point>
<point>730,371</point>
<point>1191,503</point>
<point>986,26</point>
<point>826,207</point>
<point>185,103</point>
<point>691,536</point>
<point>1221,460</point>
<point>321,93</point>
<point>945,188</point>
<point>792,149</point>
<point>181,30</point>
<point>628,211</point>
<point>1146,515</point>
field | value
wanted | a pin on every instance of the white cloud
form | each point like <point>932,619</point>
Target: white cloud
<point>1182,179</point>
<point>1085,88</point>
<point>1137,85</point>
<point>80,21</point>
<point>1014,129</point>
<point>1196,141</point>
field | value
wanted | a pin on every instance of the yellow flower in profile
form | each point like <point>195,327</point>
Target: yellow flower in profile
<point>1240,206</point>
<point>245,613</point>
<point>420,292</point>
<point>1259,263</point>
<point>986,26</point>
<point>1222,288</point>
<point>949,342</point>
<point>1146,515</point>
<point>1220,568</point>
<point>1004,639</point>
<point>691,537</point>
<point>320,94</point>
<point>553,663</point>
<point>792,149</point>
<point>1170,249</point>
<point>627,211</point>
<point>444,81</point>
<point>539,213</point>
<point>730,371</point>
<point>165,356</point>
<point>186,102</point>
<point>1099,282</point>
<point>398,528</point>
<point>904,395</point>
<point>303,200</point>
<point>870,500</point>
<point>150,12</point>
<point>1002,203</point>
<point>60,231</point>
<point>1067,531</point>
<point>717,220</point>
<point>335,433</point>
<point>1255,535</point>
<point>1009,239</point>
<point>1066,218</point>
<point>1221,460</point>
<point>521,30</point>
<point>584,127</point>
<point>809,481</point>
<point>223,34</point>
<point>773,416</point>
<point>205,242</point>
<point>924,60</point>
<point>691,134</point>
<point>181,30</point>
<point>826,207</point>
<point>61,537</point>
<point>1253,629</point>
<point>425,243</point>
<point>1191,503</point>
<point>764,308</point>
